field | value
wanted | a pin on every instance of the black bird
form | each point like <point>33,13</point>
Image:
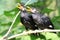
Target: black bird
<point>42,21</point>
<point>26,19</point>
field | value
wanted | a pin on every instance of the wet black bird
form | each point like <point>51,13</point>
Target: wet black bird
<point>42,21</point>
<point>26,19</point>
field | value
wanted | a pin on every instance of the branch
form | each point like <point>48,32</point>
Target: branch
<point>27,2</point>
<point>29,32</point>
<point>9,30</point>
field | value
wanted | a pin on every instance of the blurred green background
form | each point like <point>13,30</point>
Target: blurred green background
<point>8,10</point>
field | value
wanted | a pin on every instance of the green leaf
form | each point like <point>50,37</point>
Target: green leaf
<point>27,37</point>
<point>11,13</point>
<point>38,4</point>
<point>46,10</point>
<point>6,5</point>
<point>51,36</point>
<point>56,22</point>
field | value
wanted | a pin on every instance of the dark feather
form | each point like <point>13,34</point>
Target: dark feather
<point>42,21</point>
<point>27,21</point>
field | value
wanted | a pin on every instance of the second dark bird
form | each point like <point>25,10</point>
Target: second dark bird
<point>42,21</point>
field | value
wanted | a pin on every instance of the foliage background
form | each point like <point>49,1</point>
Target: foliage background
<point>8,11</point>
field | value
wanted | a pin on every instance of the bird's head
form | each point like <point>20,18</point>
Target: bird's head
<point>21,7</point>
<point>33,10</point>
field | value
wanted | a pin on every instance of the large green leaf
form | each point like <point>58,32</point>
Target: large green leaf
<point>7,5</point>
<point>56,22</point>
<point>51,36</point>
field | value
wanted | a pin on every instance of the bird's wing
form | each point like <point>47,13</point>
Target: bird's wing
<point>47,22</point>
<point>31,20</point>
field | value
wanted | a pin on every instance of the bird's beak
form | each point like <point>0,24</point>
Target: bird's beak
<point>28,9</point>
<point>20,6</point>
